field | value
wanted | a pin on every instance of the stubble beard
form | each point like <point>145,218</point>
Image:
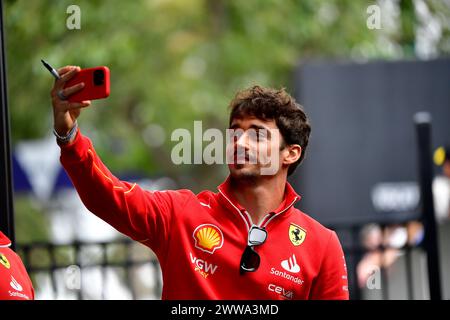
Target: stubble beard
<point>241,174</point>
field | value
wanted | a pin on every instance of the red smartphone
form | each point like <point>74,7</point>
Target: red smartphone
<point>96,84</point>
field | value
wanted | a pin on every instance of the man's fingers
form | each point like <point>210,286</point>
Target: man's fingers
<point>70,71</point>
<point>77,105</point>
<point>69,74</point>
<point>71,90</point>
<point>75,112</point>
<point>63,70</point>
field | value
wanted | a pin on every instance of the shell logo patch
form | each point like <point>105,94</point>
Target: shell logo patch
<point>208,238</point>
<point>296,234</point>
<point>4,261</point>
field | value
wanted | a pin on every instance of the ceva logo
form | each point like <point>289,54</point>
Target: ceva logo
<point>287,294</point>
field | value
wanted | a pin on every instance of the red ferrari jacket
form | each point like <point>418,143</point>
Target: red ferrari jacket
<point>199,238</point>
<point>14,281</point>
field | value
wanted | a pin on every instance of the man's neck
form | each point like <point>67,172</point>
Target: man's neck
<point>259,196</point>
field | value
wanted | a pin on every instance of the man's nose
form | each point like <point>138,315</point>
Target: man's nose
<point>242,142</point>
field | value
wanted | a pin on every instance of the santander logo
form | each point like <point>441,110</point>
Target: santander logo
<point>15,285</point>
<point>291,264</point>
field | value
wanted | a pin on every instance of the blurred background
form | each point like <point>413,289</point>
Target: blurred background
<point>361,69</point>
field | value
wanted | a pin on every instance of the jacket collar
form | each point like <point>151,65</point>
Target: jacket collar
<point>4,241</point>
<point>290,198</point>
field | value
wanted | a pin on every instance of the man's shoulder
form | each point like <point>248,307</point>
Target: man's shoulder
<point>311,224</point>
<point>187,195</point>
<point>206,197</point>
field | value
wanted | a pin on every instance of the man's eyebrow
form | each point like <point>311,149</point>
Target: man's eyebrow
<point>258,127</point>
<point>253,126</point>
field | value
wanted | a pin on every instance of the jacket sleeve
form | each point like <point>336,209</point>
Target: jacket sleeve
<point>331,282</point>
<point>145,216</point>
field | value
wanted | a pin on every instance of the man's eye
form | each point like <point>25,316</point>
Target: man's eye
<point>262,134</point>
<point>235,135</point>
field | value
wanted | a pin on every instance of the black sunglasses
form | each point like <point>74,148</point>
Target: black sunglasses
<point>250,259</point>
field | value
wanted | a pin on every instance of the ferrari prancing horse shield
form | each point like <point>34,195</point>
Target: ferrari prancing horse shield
<point>4,261</point>
<point>296,234</point>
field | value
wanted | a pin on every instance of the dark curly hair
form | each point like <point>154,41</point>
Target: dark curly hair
<point>272,104</point>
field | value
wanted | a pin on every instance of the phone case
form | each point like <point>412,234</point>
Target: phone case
<point>96,84</point>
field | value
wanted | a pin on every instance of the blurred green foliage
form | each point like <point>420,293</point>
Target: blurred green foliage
<point>31,222</point>
<point>176,61</point>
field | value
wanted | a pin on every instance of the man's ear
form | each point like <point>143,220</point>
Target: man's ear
<point>291,154</point>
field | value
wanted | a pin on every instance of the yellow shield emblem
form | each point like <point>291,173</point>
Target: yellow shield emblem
<point>4,261</point>
<point>296,234</point>
<point>208,238</point>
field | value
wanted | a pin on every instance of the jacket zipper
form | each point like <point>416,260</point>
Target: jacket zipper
<point>267,215</point>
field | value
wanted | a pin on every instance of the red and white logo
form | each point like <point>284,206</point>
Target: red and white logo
<point>203,267</point>
<point>284,293</point>
<point>15,285</point>
<point>291,264</point>
<point>17,289</point>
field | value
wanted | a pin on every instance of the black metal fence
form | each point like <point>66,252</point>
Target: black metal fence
<point>60,271</point>
<point>379,280</point>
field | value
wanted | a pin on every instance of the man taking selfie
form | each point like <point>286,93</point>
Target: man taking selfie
<point>246,241</point>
